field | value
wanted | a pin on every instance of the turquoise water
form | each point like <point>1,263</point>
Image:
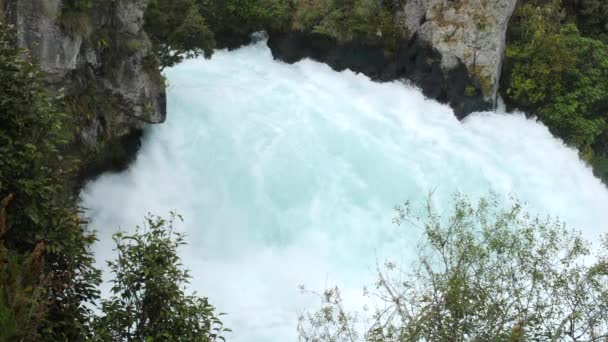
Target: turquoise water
<point>287,175</point>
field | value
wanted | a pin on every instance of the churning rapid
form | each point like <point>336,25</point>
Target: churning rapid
<point>288,175</point>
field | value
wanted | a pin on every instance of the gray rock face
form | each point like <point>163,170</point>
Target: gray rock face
<point>87,61</point>
<point>453,50</point>
<point>37,30</point>
<point>468,31</point>
<point>139,87</point>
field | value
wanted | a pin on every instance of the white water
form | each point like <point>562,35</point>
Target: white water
<point>287,175</point>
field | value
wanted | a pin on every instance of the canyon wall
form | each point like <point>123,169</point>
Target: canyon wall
<point>98,60</point>
<point>452,50</point>
<point>471,32</point>
<point>101,62</point>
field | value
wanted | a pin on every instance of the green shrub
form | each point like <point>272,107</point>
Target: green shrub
<point>367,21</point>
<point>562,77</point>
<point>33,166</point>
<point>559,73</point>
<point>23,294</point>
<point>247,16</point>
<point>148,301</point>
<point>76,17</point>
<point>482,273</point>
<point>177,30</point>
<point>600,166</point>
<point>592,18</point>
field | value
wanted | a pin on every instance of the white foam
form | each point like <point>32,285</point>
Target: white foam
<point>287,175</point>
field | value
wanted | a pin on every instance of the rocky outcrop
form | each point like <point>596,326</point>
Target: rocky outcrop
<point>98,59</point>
<point>38,31</point>
<point>414,61</point>
<point>452,50</point>
<point>471,32</point>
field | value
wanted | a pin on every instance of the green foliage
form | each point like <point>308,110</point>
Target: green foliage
<point>23,294</point>
<point>103,141</point>
<point>76,16</point>
<point>470,91</point>
<point>247,16</point>
<point>348,20</point>
<point>23,298</point>
<point>600,166</point>
<point>309,14</point>
<point>176,38</point>
<point>558,73</point>
<point>149,302</point>
<point>177,30</point>
<point>563,77</point>
<point>88,105</point>
<point>483,273</point>
<point>592,19</point>
<point>33,136</point>
<point>533,19</point>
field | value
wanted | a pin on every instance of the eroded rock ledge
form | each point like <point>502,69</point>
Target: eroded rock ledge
<point>469,32</point>
<point>99,63</point>
<point>414,60</point>
<point>452,49</point>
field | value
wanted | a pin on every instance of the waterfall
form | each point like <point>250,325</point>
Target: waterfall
<point>288,175</point>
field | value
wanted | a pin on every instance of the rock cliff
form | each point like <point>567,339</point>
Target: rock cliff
<point>452,49</point>
<point>471,32</point>
<point>98,59</point>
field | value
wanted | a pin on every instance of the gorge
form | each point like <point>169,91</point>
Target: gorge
<point>288,175</point>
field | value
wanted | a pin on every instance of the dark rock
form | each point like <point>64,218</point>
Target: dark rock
<point>119,154</point>
<point>415,60</point>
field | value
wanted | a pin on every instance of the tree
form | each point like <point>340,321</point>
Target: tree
<point>557,71</point>
<point>362,21</point>
<point>23,294</point>
<point>244,17</point>
<point>482,274</point>
<point>177,30</point>
<point>592,18</point>
<point>562,78</point>
<point>148,300</point>
<point>34,169</point>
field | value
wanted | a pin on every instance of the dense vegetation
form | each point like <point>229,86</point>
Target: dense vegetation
<point>43,214</point>
<point>557,68</point>
<point>209,21</point>
<point>482,273</point>
<point>48,284</point>
<point>148,301</point>
<point>348,20</point>
<point>177,29</point>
